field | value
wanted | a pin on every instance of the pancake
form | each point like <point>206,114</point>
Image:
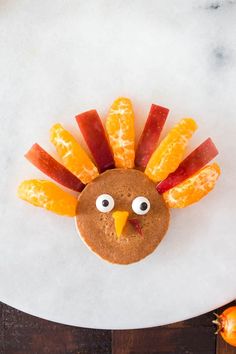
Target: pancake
<point>97,229</point>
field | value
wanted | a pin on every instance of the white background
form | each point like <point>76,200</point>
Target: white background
<point>58,58</point>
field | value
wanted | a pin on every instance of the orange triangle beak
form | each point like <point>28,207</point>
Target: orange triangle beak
<point>120,219</point>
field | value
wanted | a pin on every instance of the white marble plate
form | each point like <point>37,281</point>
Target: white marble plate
<point>59,58</point>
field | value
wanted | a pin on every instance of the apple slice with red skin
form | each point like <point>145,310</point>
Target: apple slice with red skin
<point>94,135</point>
<point>150,135</point>
<point>53,169</point>
<point>203,154</point>
<point>136,225</point>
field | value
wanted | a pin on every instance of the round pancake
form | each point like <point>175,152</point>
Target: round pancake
<point>97,229</point>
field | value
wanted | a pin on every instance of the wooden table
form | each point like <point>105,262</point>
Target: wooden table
<point>24,334</point>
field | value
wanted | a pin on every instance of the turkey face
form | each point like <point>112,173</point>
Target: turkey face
<point>111,207</point>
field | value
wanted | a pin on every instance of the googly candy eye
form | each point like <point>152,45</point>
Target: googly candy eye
<point>105,203</point>
<point>141,205</point>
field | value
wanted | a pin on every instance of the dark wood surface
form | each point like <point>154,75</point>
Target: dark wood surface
<point>24,334</point>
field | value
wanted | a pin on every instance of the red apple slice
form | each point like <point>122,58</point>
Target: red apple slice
<point>137,226</point>
<point>53,169</point>
<point>94,134</point>
<point>203,154</point>
<point>150,135</point>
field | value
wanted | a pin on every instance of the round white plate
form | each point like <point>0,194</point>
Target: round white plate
<point>60,58</point>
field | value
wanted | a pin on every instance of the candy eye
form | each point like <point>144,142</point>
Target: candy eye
<point>141,205</point>
<point>105,203</point>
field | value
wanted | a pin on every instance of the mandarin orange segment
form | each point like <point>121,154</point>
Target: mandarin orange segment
<point>47,195</point>
<point>72,154</point>
<point>121,134</point>
<point>194,188</point>
<point>168,155</point>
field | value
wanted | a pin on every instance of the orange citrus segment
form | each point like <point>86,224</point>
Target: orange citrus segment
<point>72,154</point>
<point>121,134</point>
<point>168,155</point>
<point>194,188</point>
<point>46,194</point>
